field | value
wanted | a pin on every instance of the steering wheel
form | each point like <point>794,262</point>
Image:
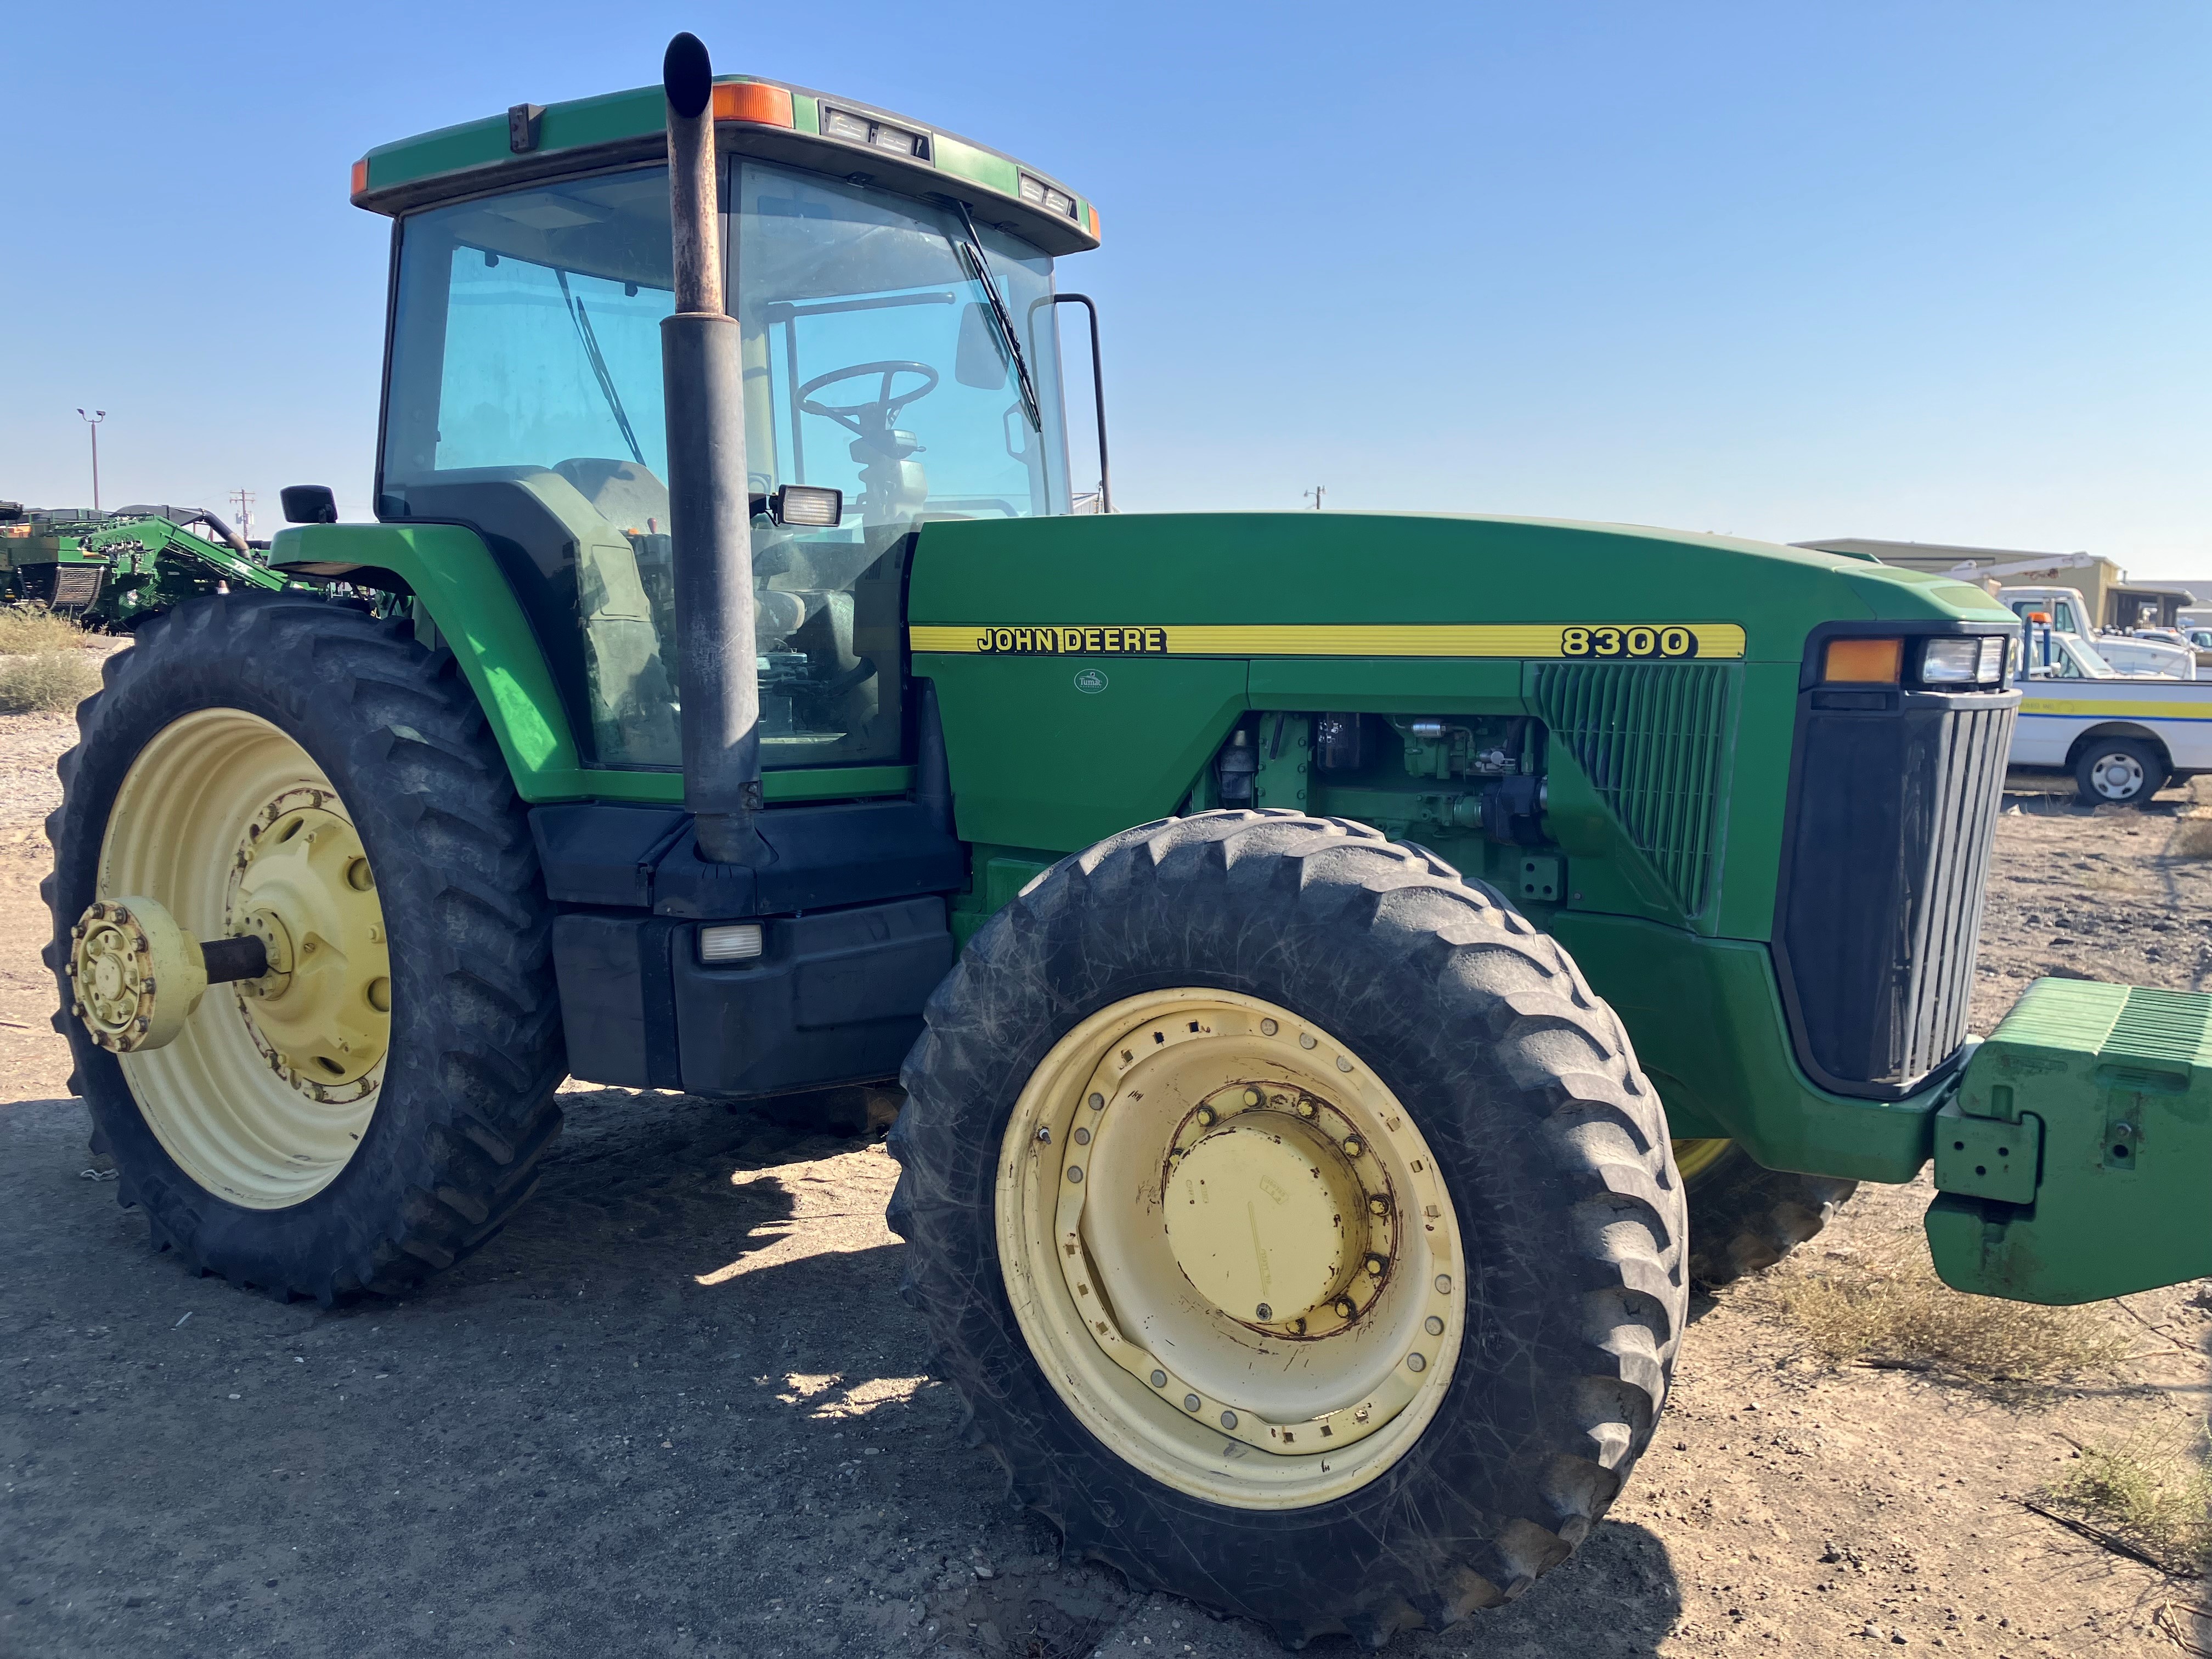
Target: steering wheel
<point>873,419</point>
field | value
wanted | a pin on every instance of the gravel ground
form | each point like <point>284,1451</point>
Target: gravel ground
<point>676,1407</point>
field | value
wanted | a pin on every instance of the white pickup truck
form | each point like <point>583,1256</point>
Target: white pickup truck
<point>2123,738</point>
<point>2065,610</point>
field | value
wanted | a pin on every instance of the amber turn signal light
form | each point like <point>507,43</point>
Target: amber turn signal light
<point>1863,662</point>
<point>752,100</point>
<point>360,177</point>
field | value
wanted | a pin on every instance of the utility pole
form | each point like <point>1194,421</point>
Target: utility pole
<point>1316,494</point>
<point>92,421</point>
<point>243,501</point>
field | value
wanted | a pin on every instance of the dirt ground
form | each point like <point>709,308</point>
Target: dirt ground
<point>676,1407</point>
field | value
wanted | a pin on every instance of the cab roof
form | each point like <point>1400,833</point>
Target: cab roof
<point>772,119</point>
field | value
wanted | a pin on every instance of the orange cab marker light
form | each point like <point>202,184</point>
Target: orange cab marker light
<point>1864,662</point>
<point>754,101</point>
<point>360,177</point>
<point>2038,616</point>
<point>1094,224</point>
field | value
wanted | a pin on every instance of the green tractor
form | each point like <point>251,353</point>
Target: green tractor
<point>1350,974</point>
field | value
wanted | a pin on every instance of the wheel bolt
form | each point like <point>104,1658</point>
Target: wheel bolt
<point>1264,1311</point>
<point>1267,1028</point>
<point>1306,1109</point>
<point>1375,1265</point>
<point>1378,1205</point>
<point>1251,1096</point>
<point>1343,1307</point>
<point>1190,1402</point>
<point>1205,1115</point>
<point>1098,1103</point>
<point>1305,1040</point>
<point>1433,1325</point>
<point>1229,1419</point>
<point>1351,1147</point>
<point>1159,1379</point>
<point>1083,1137</point>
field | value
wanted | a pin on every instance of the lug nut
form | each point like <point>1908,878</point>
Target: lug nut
<point>1267,1028</point>
<point>1205,1115</point>
<point>1074,1172</point>
<point>1343,1307</point>
<point>1415,1362</point>
<point>1229,1419</point>
<point>1352,1146</point>
<point>1098,1103</point>
<point>1159,1379</point>
<point>1306,1109</point>
<point>1083,1137</point>
<point>1443,1283</point>
<point>1251,1096</point>
<point>1433,1325</point>
<point>1305,1040</point>
<point>1378,1205</point>
<point>1375,1265</point>
<point>1190,1402</point>
<point>1264,1311</point>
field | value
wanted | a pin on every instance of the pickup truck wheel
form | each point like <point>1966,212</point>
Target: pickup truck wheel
<point>1745,1217</point>
<point>1295,1221</point>
<point>2119,772</point>
<point>373,1105</point>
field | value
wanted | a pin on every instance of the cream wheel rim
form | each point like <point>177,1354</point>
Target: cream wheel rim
<point>1229,1248</point>
<point>1693,1158</point>
<point>265,1094</point>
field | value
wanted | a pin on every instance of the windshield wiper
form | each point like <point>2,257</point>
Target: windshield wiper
<point>584,332</point>
<point>972,252</point>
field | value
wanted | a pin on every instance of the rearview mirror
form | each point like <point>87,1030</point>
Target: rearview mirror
<point>308,504</point>
<point>981,360</point>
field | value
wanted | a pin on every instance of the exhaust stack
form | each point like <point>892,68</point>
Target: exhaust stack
<point>709,516</point>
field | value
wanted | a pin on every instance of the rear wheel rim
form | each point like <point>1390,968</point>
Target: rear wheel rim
<point>1693,1158</point>
<point>265,1095</point>
<point>1229,1248</point>
<point>2118,776</point>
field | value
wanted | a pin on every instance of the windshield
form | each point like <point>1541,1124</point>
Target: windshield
<point>525,397</point>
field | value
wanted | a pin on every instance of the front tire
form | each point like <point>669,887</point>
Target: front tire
<point>375,1106</point>
<point>1471,1338</point>
<point>1744,1218</point>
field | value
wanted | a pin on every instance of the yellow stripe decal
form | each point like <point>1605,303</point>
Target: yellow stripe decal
<point>1642,642</point>
<point>2181,709</point>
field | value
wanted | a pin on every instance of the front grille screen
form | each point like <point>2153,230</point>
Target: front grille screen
<point>1889,850</point>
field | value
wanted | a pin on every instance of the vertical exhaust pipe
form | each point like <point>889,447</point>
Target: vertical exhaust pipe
<point>709,516</point>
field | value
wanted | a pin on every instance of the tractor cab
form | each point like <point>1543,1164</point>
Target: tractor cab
<point>901,364</point>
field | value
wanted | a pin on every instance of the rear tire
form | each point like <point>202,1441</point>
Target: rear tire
<point>1744,1218</point>
<point>452,1121</point>
<point>2119,772</point>
<point>1549,1146</point>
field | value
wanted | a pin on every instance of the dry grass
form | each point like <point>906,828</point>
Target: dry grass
<point>25,631</point>
<point>46,681</point>
<point>2151,1491</point>
<point>1892,1310</point>
<point>2192,838</point>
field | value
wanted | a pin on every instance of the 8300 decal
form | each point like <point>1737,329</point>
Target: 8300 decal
<point>1670,643</point>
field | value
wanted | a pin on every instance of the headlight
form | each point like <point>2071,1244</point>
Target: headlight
<point>1951,662</point>
<point>1990,671</point>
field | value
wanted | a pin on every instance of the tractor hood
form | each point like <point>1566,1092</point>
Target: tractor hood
<point>1393,584</point>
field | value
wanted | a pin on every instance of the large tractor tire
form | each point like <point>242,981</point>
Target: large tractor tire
<point>1744,1218</point>
<point>372,1107</point>
<point>1295,1221</point>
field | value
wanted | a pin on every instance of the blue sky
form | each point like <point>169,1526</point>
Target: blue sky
<point>1928,271</point>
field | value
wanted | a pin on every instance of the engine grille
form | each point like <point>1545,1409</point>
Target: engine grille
<point>1650,736</point>
<point>1892,816</point>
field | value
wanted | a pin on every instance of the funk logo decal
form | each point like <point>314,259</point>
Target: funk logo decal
<point>1622,641</point>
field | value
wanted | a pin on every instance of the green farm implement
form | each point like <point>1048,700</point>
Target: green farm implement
<point>1350,974</point>
<point>115,569</point>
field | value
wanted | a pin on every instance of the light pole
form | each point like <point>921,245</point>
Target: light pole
<point>93,422</point>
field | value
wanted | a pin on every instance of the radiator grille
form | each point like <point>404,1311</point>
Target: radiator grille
<point>1650,737</point>
<point>1881,908</point>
